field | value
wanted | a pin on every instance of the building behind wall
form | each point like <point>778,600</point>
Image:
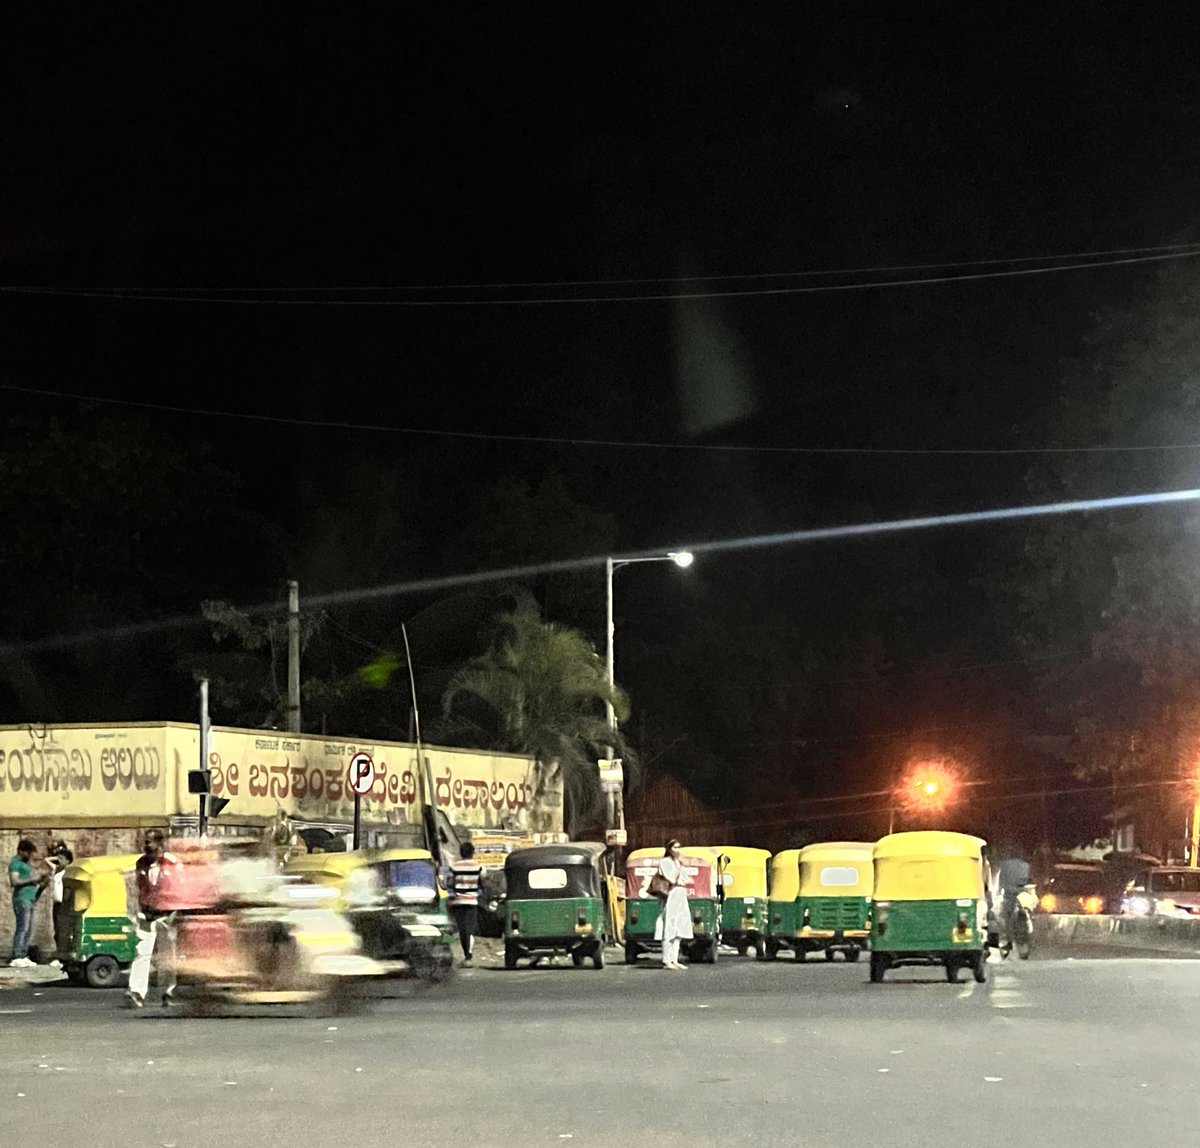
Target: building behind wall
<point>99,787</point>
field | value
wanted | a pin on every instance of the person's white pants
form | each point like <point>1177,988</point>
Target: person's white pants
<point>670,951</point>
<point>158,938</point>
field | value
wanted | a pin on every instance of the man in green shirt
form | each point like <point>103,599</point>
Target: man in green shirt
<point>26,883</point>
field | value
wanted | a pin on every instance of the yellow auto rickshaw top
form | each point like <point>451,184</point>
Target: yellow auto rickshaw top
<point>745,871</point>
<point>929,865</point>
<point>785,875</point>
<point>816,859</point>
<point>87,867</point>
<point>929,843</point>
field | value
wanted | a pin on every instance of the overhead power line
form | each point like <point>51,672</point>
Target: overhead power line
<point>736,277</point>
<point>208,296</point>
<point>607,444</point>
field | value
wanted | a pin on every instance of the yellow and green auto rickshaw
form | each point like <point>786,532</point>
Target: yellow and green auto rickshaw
<point>702,870</point>
<point>834,905</point>
<point>557,902</point>
<point>930,903</point>
<point>744,905</point>
<point>395,903</point>
<point>102,935</point>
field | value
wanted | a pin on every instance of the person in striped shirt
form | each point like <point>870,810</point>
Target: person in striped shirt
<point>466,875</point>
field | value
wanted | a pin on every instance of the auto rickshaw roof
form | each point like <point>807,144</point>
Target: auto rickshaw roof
<point>705,852</point>
<point>855,850</point>
<point>551,856</point>
<point>743,854</point>
<point>929,843</point>
<point>87,867</point>
<point>401,855</point>
<point>340,863</point>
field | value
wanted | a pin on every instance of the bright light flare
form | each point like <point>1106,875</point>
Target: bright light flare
<point>682,558</point>
<point>929,787</point>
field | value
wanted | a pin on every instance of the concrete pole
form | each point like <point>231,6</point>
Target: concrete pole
<point>293,707</point>
<point>205,731</point>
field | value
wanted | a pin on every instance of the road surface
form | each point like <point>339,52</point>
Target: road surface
<point>1080,1052</point>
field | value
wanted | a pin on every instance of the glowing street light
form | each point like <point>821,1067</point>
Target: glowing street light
<point>928,787</point>
<point>682,558</point>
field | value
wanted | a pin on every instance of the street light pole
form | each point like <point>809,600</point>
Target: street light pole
<point>682,559</point>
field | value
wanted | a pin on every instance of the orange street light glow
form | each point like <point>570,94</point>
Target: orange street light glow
<point>929,787</point>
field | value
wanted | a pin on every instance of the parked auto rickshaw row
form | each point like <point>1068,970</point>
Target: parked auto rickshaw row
<point>916,898</point>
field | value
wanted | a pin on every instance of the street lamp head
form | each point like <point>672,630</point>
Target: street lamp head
<point>682,558</point>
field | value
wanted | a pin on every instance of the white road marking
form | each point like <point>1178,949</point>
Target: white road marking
<point>1006,992</point>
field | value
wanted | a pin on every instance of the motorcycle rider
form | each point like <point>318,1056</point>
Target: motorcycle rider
<point>1013,875</point>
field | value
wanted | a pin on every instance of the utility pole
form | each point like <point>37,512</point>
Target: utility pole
<point>204,741</point>
<point>293,631</point>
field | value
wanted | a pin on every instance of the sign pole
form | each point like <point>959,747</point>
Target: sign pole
<point>361,775</point>
<point>205,733</point>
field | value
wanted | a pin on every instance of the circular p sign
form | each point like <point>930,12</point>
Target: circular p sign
<point>361,773</point>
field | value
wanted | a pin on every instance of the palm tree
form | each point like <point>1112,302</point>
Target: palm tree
<point>539,691</point>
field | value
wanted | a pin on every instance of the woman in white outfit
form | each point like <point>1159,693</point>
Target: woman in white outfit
<point>675,920</point>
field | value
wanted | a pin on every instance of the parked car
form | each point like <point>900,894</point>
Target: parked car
<point>1073,887</point>
<point>1165,891</point>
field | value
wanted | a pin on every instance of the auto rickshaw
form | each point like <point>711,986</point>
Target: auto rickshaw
<point>556,903</point>
<point>833,901</point>
<point>102,936</point>
<point>744,904</point>
<point>262,940</point>
<point>930,904</point>
<point>705,893</point>
<point>395,903</point>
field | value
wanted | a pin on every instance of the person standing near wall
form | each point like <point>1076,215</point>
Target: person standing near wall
<point>26,883</point>
<point>59,857</point>
<point>155,871</point>
<point>466,875</point>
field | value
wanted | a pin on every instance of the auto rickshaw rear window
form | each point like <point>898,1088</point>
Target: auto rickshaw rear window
<point>547,878</point>
<point>413,880</point>
<point>839,876</point>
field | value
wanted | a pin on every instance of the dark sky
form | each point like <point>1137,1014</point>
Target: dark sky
<point>299,147</point>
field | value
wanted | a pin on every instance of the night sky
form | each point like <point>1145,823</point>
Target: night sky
<point>306,154</point>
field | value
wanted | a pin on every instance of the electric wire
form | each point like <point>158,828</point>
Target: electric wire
<point>605,444</point>
<point>143,295</point>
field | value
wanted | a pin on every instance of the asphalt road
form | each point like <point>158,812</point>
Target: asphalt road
<point>1056,1051</point>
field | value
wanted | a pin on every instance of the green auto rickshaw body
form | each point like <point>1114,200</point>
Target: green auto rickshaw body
<point>744,902</point>
<point>930,903</point>
<point>821,899</point>
<point>701,867</point>
<point>395,902</point>
<point>102,935</point>
<point>556,903</point>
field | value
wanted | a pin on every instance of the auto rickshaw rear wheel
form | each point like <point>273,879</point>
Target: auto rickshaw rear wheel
<point>631,952</point>
<point>510,956</point>
<point>770,951</point>
<point>953,970</point>
<point>852,954</point>
<point>980,968</point>
<point>577,959</point>
<point>102,971</point>
<point>760,949</point>
<point>598,957</point>
<point>879,966</point>
<point>830,953</point>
